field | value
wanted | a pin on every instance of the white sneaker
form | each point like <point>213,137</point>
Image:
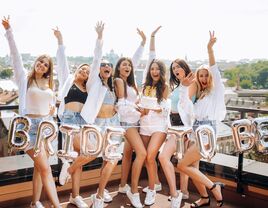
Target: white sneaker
<point>157,187</point>
<point>64,175</point>
<point>78,201</point>
<point>37,204</point>
<point>184,196</point>
<point>134,199</point>
<point>176,201</point>
<point>123,190</point>
<point>97,203</point>
<point>150,197</point>
<point>107,198</point>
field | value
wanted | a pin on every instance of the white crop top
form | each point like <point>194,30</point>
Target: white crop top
<point>38,100</point>
<point>132,94</point>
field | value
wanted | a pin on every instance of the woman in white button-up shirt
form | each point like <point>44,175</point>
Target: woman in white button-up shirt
<point>209,108</point>
<point>73,94</point>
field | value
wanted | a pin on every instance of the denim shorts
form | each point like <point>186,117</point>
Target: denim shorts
<point>211,123</point>
<point>103,123</point>
<point>33,130</point>
<point>126,125</point>
<point>72,118</point>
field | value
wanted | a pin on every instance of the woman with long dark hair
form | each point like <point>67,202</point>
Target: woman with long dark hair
<point>129,116</point>
<point>155,114</point>
<point>179,69</point>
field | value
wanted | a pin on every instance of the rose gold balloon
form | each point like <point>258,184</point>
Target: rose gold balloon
<point>67,152</point>
<point>112,142</point>
<point>206,141</point>
<point>47,131</point>
<point>243,135</point>
<point>91,140</point>
<point>260,129</point>
<point>181,139</point>
<point>21,134</point>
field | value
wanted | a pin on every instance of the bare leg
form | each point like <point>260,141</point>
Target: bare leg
<point>43,167</point>
<point>154,145</point>
<point>146,140</point>
<point>190,157</point>
<point>126,163</point>
<point>37,186</point>
<point>105,175</point>
<point>76,168</point>
<point>136,143</point>
<point>167,166</point>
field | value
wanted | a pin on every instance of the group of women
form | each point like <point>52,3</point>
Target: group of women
<point>95,94</point>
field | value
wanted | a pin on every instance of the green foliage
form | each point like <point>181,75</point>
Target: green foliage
<point>6,73</point>
<point>253,75</point>
<point>246,84</point>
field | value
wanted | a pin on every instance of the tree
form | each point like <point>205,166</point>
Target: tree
<point>246,84</point>
<point>6,73</point>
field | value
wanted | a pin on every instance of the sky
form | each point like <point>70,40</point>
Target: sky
<point>240,26</point>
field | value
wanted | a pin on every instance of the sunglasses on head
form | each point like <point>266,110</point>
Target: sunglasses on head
<point>106,64</point>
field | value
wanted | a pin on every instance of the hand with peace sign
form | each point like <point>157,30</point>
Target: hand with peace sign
<point>211,42</point>
<point>5,22</point>
<point>58,35</point>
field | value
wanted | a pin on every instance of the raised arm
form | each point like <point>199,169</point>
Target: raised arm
<point>138,53</point>
<point>95,66</point>
<point>17,65</point>
<point>62,67</point>
<point>212,41</point>
<point>151,53</point>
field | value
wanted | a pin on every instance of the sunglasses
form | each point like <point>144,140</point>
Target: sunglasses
<point>106,64</point>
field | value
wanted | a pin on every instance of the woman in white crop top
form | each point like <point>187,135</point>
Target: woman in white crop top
<point>73,95</point>
<point>129,116</point>
<point>36,99</point>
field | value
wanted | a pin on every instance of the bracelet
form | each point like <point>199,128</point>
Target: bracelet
<point>152,36</point>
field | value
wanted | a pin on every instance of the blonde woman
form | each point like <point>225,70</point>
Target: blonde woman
<point>209,108</point>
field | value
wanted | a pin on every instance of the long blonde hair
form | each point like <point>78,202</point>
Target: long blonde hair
<point>48,74</point>
<point>199,92</point>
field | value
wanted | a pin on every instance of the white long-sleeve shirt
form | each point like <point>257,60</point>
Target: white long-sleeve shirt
<point>66,79</point>
<point>20,72</point>
<point>32,100</point>
<point>97,93</point>
<point>211,107</point>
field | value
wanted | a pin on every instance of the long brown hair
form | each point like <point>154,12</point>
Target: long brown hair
<point>130,79</point>
<point>202,93</point>
<point>161,84</point>
<point>173,81</point>
<point>47,75</point>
